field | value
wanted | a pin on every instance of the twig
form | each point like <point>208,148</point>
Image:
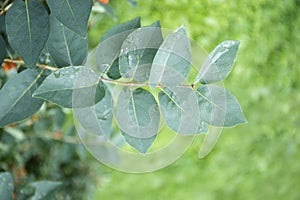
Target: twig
<point>4,8</point>
<point>21,62</point>
<point>130,84</point>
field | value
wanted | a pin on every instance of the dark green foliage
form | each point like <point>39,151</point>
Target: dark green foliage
<point>6,186</point>
<point>72,14</point>
<point>27,27</point>
<point>16,98</point>
<point>65,46</point>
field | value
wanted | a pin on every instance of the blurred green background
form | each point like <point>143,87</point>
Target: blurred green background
<point>258,160</point>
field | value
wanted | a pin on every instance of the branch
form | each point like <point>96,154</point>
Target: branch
<point>21,62</point>
<point>5,8</point>
<point>130,84</point>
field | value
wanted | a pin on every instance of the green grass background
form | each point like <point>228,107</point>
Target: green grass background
<point>258,160</point>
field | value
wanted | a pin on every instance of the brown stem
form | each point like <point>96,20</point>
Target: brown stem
<point>21,62</point>
<point>130,84</point>
<point>4,8</point>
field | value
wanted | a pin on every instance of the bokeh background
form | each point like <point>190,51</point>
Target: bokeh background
<point>257,160</point>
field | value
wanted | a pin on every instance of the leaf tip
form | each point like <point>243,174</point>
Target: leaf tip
<point>156,24</point>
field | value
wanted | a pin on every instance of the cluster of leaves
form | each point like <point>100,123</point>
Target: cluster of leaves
<point>149,67</point>
<point>43,148</point>
<point>37,190</point>
<point>152,69</point>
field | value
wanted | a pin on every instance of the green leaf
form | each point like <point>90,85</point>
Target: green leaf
<point>127,27</point>
<point>113,72</point>
<point>180,110</point>
<point>140,144</point>
<point>109,48</point>
<point>172,62</point>
<point>137,115</point>
<point>219,63</point>
<point>218,107</point>
<point>6,186</point>
<point>3,52</point>
<point>133,2</point>
<point>16,97</point>
<point>98,118</point>
<point>65,46</point>
<point>73,14</point>
<point>27,27</point>
<point>45,189</point>
<point>72,87</point>
<point>2,24</point>
<point>138,51</point>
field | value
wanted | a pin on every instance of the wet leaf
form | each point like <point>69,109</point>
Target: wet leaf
<point>219,63</point>
<point>172,62</point>
<point>72,87</point>
<point>109,48</point>
<point>138,52</point>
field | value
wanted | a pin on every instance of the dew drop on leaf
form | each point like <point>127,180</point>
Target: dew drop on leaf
<point>77,69</point>
<point>105,66</point>
<point>57,74</point>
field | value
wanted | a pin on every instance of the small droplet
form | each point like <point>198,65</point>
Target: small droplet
<point>228,44</point>
<point>77,69</point>
<point>102,117</point>
<point>155,109</point>
<point>57,74</point>
<point>105,66</point>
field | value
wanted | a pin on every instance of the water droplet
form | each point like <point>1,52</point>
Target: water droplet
<point>57,74</point>
<point>105,66</point>
<point>129,39</point>
<point>147,75</point>
<point>102,117</point>
<point>131,61</point>
<point>134,48</point>
<point>155,109</point>
<point>77,69</point>
<point>228,44</point>
<point>218,55</point>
